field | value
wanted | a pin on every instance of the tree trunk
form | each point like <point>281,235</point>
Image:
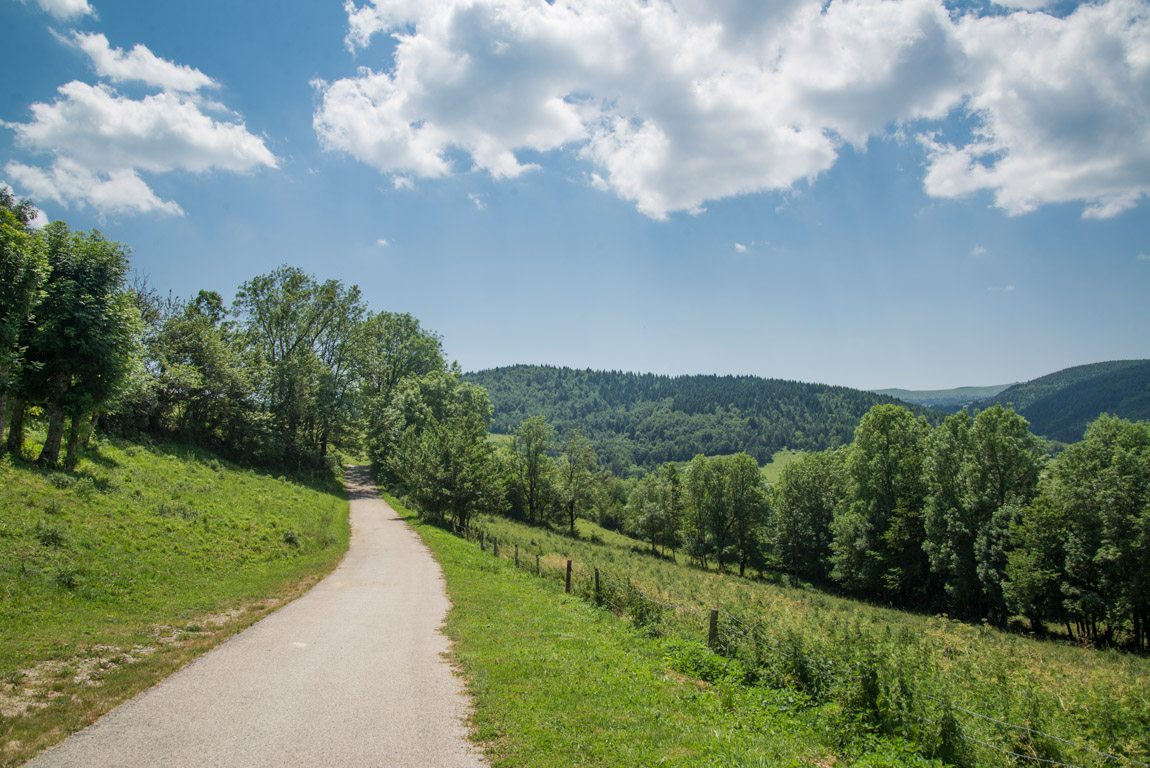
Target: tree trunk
<point>16,426</point>
<point>91,427</point>
<point>3,400</point>
<point>50,455</point>
<point>75,427</point>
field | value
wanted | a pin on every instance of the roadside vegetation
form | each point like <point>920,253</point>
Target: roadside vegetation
<point>556,680</point>
<point>862,684</point>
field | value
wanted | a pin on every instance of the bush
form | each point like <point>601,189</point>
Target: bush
<point>700,662</point>
<point>54,536</point>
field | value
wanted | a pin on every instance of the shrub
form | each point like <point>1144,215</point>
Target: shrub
<point>54,536</point>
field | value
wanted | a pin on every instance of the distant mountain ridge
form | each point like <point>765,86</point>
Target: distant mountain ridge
<point>647,419</point>
<point>1060,405</point>
<point>951,400</point>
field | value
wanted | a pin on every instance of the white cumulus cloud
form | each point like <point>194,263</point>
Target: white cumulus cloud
<point>1063,107</point>
<point>99,142</point>
<point>68,182</point>
<point>139,64</point>
<point>676,104</point>
<point>66,10</point>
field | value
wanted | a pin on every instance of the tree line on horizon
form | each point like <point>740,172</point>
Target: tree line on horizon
<point>643,420</point>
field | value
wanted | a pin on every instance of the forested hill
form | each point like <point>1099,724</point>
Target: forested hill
<point>1061,404</point>
<point>647,419</point>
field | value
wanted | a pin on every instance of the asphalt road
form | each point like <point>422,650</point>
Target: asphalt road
<point>350,674</point>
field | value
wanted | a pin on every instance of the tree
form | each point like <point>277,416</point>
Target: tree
<point>704,486</point>
<point>1103,485</point>
<point>300,332</point>
<point>979,472</point>
<point>393,351</point>
<point>672,484</point>
<point>575,482</point>
<point>23,267</point>
<point>646,514</point>
<point>877,546</point>
<point>395,347</point>
<point>337,348</point>
<point>745,502</point>
<point>446,463</point>
<point>529,444</point>
<point>1036,564</point>
<point>809,491</point>
<point>202,378</point>
<point>84,338</point>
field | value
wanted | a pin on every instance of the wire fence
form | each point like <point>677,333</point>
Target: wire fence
<point>627,600</point>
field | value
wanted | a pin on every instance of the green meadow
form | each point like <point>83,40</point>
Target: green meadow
<point>779,460</point>
<point>862,682</point>
<point>556,680</point>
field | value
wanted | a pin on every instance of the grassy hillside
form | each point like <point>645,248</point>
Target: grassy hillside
<point>1060,405</point>
<point>950,400</point>
<point>646,419</point>
<point>872,678</point>
<point>115,575</point>
<point>556,680</point>
<point>779,460</point>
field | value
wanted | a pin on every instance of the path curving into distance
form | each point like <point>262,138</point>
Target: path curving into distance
<point>350,674</point>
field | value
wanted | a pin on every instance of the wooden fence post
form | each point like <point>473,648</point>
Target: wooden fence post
<point>495,546</point>
<point>597,600</point>
<point>713,629</point>
<point>537,565</point>
<point>516,555</point>
<point>482,541</point>
<point>568,577</point>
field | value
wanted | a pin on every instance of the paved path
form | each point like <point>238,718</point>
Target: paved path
<point>350,674</point>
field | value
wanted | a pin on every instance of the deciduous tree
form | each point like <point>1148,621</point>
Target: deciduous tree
<point>23,267</point>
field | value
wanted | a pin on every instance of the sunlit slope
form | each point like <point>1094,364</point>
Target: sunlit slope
<point>113,576</point>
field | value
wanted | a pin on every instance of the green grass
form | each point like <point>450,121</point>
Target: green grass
<point>113,576</point>
<point>819,645</point>
<point>558,681</point>
<point>779,459</point>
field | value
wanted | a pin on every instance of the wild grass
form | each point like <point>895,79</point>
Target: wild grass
<point>901,674</point>
<point>780,459</point>
<point>556,680</point>
<point>115,575</point>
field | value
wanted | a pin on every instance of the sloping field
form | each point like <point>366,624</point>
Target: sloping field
<point>969,693</point>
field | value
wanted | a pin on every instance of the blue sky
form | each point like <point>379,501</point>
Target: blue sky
<point>874,194</point>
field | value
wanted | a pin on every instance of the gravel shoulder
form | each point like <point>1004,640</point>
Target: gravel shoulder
<point>351,674</point>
